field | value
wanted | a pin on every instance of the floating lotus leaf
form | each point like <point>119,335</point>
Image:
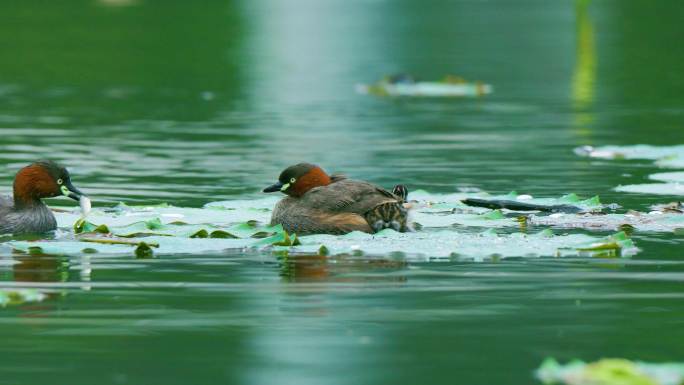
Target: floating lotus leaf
<point>424,244</point>
<point>610,371</point>
<point>638,151</point>
<point>675,185</point>
<point>450,86</point>
<point>429,210</point>
<point>452,244</point>
<point>154,227</point>
<point>167,246</point>
<point>451,230</point>
<point>676,177</point>
<point>671,162</point>
<point>653,188</point>
<point>665,156</point>
<point>653,221</point>
<point>19,296</point>
<point>216,213</point>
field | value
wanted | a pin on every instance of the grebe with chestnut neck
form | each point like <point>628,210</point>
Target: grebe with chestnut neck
<point>25,212</point>
<point>332,204</point>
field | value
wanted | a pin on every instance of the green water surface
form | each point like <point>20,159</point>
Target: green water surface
<point>189,102</point>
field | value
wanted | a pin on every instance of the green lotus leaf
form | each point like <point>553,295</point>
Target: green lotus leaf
<point>610,371</point>
<point>20,296</point>
<point>653,188</point>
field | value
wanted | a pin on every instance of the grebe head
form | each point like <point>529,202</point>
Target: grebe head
<point>43,179</point>
<point>296,180</point>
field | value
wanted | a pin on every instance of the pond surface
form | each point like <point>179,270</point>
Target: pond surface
<point>187,103</point>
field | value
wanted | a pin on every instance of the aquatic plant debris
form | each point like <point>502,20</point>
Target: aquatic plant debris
<point>654,221</point>
<point>475,209</point>
<point>407,86</point>
<point>519,205</point>
<point>610,371</point>
<point>524,202</point>
<point>435,210</point>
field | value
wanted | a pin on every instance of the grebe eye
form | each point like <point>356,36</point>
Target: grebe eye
<point>292,180</point>
<point>59,181</point>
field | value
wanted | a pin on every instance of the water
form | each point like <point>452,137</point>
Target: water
<point>152,102</point>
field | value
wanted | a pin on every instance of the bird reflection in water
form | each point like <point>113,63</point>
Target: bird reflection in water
<point>339,269</point>
<point>40,268</point>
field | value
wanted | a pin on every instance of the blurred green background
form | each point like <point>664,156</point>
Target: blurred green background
<point>189,102</point>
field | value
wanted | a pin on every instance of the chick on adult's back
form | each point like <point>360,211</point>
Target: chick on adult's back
<point>319,203</point>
